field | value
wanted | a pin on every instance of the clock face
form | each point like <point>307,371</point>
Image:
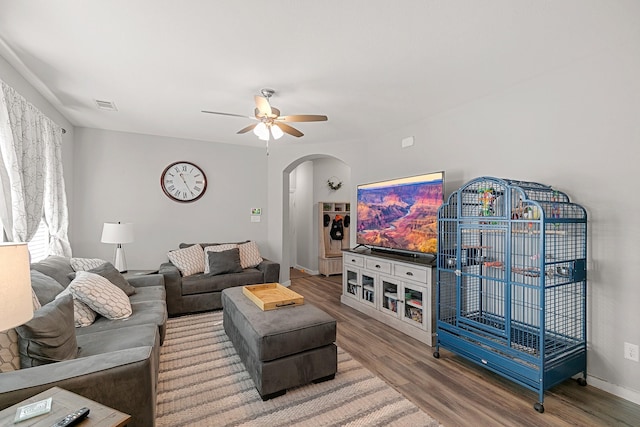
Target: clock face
<point>183,182</point>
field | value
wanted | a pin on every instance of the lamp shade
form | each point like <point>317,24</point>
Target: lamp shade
<point>276,131</point>
<point>16,303</point>
<point>115,232</point>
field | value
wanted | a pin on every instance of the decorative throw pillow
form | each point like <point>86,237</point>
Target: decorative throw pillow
<point>224,262</point>
<point>45,287</point>
<point>188,260</point>
<point>35,301</point>
<point>83,315</point>
<point>215,248</point>
<point>9,354</point>
<point>57,267</point>
<point>249,255</point>
<point>50,336</point>
<point>85,264</point>
<point>109,272</point>
<point>102,296</point>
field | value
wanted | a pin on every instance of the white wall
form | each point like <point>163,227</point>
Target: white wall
<point>303,214</point>
<point>575,128</point>
<point>117,178</point>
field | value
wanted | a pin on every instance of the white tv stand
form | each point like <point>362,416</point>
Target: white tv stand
<point>396,290</point>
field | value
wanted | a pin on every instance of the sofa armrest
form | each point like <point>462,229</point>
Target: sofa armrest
<point>146,280</point>
<point>173,287</point>
<point>123,380</point>
<point>270,270</point>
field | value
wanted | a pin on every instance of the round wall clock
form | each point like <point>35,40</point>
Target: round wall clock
<point>183,182</point>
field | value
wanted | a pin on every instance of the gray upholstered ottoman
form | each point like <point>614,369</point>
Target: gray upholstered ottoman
<point>280,348</point>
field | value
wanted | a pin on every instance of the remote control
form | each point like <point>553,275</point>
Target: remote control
<point>73,418</point>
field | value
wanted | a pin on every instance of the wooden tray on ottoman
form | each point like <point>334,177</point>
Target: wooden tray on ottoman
<point>270,296</point>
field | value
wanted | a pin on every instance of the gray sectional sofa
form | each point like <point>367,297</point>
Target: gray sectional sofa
<point>117,360</point>
<point>203,292</point>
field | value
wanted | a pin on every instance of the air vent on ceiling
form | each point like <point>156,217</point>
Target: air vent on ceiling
<point>106,105</point>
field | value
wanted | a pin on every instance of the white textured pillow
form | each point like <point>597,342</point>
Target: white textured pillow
<point>84,264</point>
<point>83,315</point>
<point>249,255</point>
<point>9,353</point>
<point>188,260</point>
<point>35,301</point>
<point>215,248</point>
<point>101,295</point>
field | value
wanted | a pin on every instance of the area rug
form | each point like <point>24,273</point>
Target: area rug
<point>202,382</point>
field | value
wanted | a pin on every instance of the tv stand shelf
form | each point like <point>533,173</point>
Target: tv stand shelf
<point>392,288</point>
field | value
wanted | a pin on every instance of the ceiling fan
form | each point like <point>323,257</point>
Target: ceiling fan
<point>270,122</point>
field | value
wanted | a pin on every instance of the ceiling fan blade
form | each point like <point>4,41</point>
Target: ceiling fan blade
<point>248,128</point>
<point>229,114</point>
<point>290,130</point>
<point>304,118</point>
<point>263,106</point>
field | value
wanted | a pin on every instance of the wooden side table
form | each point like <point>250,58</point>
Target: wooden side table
<point>64,402</point>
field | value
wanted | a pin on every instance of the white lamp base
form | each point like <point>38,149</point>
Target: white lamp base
<point>119,262</point>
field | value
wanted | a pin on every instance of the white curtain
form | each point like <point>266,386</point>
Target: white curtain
<point>31,173</point>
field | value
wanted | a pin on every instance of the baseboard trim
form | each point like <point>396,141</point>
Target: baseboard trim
<point>616,390</point>
<point>306,270</point>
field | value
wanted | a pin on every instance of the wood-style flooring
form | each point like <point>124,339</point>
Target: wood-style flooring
<point>451,389</point>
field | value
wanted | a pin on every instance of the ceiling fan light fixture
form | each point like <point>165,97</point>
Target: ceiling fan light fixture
<point>261,131</point>
<point>276,131</point>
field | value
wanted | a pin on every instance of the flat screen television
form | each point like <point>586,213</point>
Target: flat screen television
<point>400,214</point>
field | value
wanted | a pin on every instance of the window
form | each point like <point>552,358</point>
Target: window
<point>39,245</point>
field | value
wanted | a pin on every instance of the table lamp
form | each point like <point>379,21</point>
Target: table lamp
<point>16,303</point>
<point>118,233</point>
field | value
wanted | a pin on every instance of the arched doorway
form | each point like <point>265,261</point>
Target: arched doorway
<point>304,185</point>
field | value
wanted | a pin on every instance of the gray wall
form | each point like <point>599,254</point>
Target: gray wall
<point>117,178</point>
<point>575,128</point>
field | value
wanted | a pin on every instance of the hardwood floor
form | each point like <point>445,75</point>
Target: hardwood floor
<point>450,389</point>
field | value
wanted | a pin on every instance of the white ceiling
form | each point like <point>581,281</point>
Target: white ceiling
<point>370,65</point>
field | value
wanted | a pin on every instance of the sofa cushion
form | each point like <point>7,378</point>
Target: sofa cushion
<point>249,254</point>
<point>224,262</point>
<point>84,264</point>
<point>109,272</point>
<point>149,293</point>
<point>110,340</point>
<point>101,295</point>
<point>55,266</point>
<point>143,313</point>
<point>215,248</point>
<point>83,315</point>
<point>49,336</point>
<point>45,287</point>
<point>188,260</point>
<point>205,283</point>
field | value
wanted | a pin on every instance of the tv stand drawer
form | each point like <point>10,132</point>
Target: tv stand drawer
<point>410,272</point>
<point>378,265</point>
<point>354,260</point>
